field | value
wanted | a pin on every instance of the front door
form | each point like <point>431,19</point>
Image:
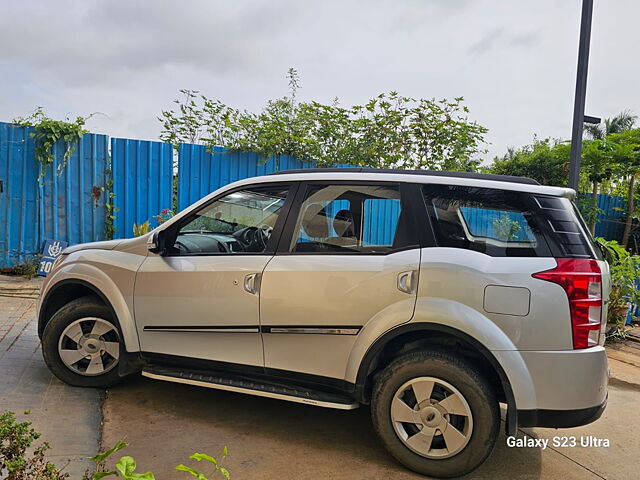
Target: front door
<point>349,255</point>
<point>201,301</point>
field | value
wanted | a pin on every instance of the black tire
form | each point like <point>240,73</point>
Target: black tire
<point>72,311</point>
<point>460,374</point>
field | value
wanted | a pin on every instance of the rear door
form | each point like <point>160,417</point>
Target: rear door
<point>348,254</point>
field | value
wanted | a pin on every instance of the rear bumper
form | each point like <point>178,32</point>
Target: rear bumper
<point>560,418</point>
<point>566,381</point>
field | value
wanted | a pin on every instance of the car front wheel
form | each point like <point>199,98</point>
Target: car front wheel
<point>81,344</point>
<point>435,413</point>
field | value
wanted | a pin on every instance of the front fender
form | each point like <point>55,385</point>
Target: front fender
<point>116,292</point>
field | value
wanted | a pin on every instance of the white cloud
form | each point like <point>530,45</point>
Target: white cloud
<point>513,61</point>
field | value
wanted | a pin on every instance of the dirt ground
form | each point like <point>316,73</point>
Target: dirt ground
<point>269,439</point>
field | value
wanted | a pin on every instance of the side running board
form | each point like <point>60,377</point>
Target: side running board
<point>258,388</point>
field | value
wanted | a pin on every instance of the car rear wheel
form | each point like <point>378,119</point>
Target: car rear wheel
<point>435,413</point>
<point>82,344</point>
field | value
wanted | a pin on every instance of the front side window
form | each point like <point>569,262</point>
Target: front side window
<point>350,219</point>
<point>495,222</point>
<point>240,222</point>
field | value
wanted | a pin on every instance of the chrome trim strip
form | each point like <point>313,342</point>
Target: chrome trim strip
<point>203,329</point>
<point>257,393</point>
<point>314,330</point>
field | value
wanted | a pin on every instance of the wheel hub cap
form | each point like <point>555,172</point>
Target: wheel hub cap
<point>89,346</point>
<point>431,417</point>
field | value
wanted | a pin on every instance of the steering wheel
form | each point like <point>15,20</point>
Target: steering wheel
<point>255,239</point>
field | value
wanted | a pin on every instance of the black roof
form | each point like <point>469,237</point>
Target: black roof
<point>435,173</point>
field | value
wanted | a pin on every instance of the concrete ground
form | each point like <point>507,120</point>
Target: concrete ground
<point>164,423</point>
<point>68,417</point>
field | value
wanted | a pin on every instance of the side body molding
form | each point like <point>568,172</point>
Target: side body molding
<point>116,289</point>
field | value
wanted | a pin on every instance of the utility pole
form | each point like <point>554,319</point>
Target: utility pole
<point>581,92</point>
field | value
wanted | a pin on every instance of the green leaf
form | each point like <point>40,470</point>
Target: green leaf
<point>192,471</point>
<point>101,457</point>
<point>204,456</point>
<point>99,475</point>
<point>142,476</point>
<point>126,466</point>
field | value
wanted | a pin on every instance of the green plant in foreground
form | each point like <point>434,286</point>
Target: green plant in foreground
<point>203,456</point>
<point>15,464</point>
<point>126,466</point>
<point>625,272</point>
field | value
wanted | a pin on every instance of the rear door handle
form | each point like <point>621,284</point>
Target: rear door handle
<point>406,282</point>
<point>252,283</point>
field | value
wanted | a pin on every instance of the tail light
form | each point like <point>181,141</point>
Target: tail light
<point>582,281</point>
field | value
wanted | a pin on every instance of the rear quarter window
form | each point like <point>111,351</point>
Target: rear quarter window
<point>495,222</point>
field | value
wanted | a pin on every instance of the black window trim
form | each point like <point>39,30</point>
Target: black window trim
<point>407,192</point>
<point>275,234</point>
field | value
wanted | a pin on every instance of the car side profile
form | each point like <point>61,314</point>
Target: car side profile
<point>433,297</point>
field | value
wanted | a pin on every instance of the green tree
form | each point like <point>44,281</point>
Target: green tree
<point>627,160</point>
<point>543,160</point>
<point>389,130</point>
<point>625,120</point>
<point>598,165</point>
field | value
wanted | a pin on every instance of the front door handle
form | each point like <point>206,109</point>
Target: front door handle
<point>252,283</point>
<point>406,282</point>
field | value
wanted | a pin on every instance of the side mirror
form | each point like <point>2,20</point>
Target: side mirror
<point>156,242</point>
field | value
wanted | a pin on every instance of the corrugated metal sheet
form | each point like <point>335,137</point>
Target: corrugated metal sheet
<point>142,182</point>
<point>66,205</point>
<point>19,231</point>
<point>71,199</point>
<point>201,170</point>
<point>610,223</point>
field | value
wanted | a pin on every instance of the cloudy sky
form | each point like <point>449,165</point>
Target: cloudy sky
<point>513,61</point>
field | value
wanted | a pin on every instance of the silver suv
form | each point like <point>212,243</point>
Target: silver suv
<point>431,297</point>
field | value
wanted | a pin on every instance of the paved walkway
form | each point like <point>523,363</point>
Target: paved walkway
<point>68,417</point>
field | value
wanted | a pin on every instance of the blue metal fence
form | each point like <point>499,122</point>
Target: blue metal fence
<point>69,204</point>
<point>611,210</point>
<point>19,230</point>
<point>142,182</point>
<point>66,204</point>
<point>202,170</point>
<point>71,197</point>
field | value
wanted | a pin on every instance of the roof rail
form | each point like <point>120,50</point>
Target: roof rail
<point>435,173</point>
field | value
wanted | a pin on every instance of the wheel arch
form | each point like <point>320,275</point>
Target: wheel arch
<point>413,336</point>
<point>68,289</point>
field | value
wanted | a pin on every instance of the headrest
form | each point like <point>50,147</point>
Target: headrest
<point>314,221</point>
<point>343,224</point>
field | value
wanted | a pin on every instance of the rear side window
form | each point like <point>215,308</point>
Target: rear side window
<point>495,222</point>
<point>356,219</point>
